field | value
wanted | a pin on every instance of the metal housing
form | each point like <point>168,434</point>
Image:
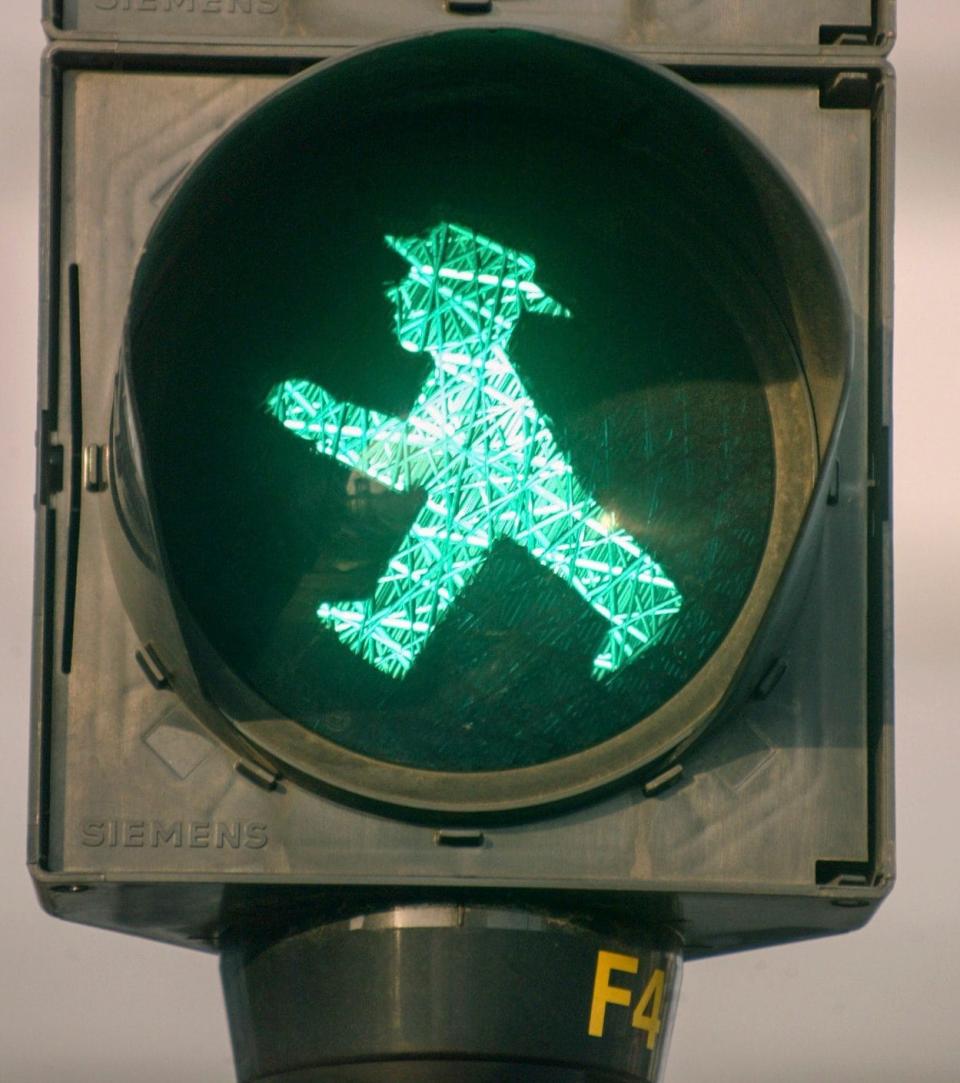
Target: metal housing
<point>777,826</point>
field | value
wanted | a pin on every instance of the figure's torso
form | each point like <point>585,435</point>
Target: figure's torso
<point>477,444</point>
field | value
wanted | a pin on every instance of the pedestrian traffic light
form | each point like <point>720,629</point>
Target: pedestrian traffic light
<point>463,558</point>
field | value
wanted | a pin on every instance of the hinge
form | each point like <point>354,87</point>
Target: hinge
<point>848,90</point>
<point>878,32</point>
<point>847,35</point>
<point>258,773</point>
<point>469,7</point>
<point>458,839</point>
<point>878,480</point>
<point>49,461</point>
<point>663,781</point>
<point>153,668</point>
<point>95,468</point>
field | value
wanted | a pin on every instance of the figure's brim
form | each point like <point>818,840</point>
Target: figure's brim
<point>534,298</point>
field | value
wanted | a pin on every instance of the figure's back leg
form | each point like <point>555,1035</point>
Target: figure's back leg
<point>436,559</point>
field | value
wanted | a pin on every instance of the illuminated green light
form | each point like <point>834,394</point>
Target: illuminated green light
<point>484,454</point>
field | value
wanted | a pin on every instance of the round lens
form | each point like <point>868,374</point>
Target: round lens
<point>460,441</point>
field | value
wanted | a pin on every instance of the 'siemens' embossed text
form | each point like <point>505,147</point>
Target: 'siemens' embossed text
<point>196,834</point>
<point>202,7</point>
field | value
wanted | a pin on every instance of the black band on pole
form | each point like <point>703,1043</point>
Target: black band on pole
<point>445,992</point>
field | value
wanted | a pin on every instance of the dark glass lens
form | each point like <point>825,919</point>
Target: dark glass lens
<point>459,450</point>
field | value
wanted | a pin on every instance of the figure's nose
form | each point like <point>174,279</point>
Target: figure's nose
<point>409,332</point>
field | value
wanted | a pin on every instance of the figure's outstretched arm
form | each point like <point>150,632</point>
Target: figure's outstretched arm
<point>363,439</point>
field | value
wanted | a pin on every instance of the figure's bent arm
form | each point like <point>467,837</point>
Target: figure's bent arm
<point>363,439</point>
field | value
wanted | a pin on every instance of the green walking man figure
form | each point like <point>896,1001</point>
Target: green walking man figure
<point>483,453</point>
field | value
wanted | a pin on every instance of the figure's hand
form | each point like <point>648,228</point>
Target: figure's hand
<point>307,411</point>
<point>362,439</point>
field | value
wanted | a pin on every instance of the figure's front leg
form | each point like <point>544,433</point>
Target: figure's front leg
<point>628,587</point>
<point>607,567</point>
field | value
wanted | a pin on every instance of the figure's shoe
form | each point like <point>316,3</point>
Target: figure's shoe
<point>622,643</point>
<point>382,638</point>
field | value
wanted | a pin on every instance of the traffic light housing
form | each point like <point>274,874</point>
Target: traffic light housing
<point>660,702</point>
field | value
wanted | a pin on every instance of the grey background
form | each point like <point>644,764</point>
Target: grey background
<point>880,1005</point>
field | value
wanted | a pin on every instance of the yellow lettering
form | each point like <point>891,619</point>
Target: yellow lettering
<point>604,993</point>
<point>646,1015</point>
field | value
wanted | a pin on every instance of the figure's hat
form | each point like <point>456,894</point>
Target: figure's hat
<point>454,253</point>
